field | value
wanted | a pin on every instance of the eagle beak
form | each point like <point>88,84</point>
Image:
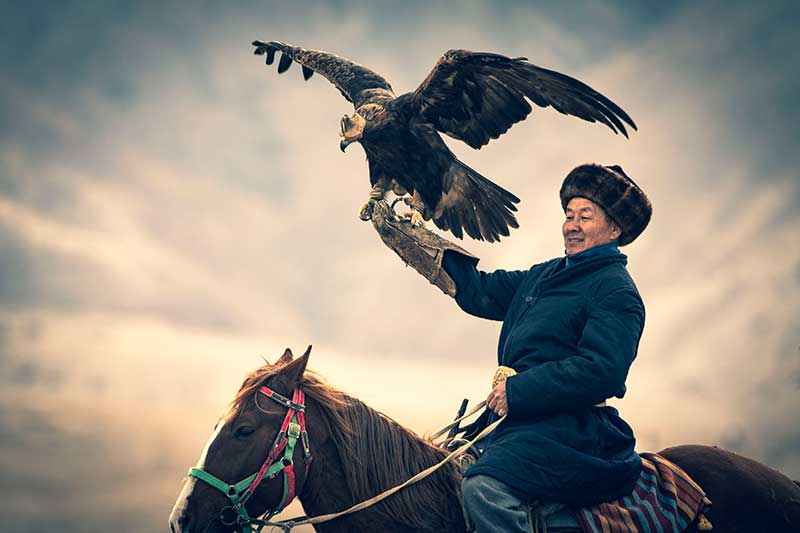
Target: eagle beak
<point>343,144</point>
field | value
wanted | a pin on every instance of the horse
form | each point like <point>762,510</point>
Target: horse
<point>333,451</point>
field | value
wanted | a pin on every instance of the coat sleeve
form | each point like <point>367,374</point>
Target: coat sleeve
<point>483,294</point>
<point>596,372</point>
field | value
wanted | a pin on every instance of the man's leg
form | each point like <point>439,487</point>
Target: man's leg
<point>494,506</point>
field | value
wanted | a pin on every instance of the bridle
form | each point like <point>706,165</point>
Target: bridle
<point>278,460</point>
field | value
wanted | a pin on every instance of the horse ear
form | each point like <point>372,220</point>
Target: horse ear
<point>285,358</point>
<point>293,372</point>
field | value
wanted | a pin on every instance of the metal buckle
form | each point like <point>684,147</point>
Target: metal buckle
<point>228,516</point>
<point>293,430</point>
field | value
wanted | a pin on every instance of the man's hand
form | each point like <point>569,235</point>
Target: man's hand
<point>496,401</point>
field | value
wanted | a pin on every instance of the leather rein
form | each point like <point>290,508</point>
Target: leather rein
<point>278,460</point>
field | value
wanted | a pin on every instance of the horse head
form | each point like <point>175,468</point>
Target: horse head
<point>258,457</point>
<point>256,461</point>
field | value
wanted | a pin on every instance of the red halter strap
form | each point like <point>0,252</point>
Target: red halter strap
<point>295,407</point>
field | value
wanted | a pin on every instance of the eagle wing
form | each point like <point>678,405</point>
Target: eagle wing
<point>478,96</point>
<point>358,84</point>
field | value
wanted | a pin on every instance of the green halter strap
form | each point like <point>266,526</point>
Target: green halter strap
<point>292,429</point>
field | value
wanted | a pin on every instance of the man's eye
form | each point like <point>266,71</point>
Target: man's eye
<point>586,218</point>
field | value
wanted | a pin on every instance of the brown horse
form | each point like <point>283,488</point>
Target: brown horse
<point>358,452</point>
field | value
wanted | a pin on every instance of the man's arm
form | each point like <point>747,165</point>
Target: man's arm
<point>483,294</point>
<point>596,372</point>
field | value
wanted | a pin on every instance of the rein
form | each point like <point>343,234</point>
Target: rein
<point>288,525</point>
<point>278,460</point>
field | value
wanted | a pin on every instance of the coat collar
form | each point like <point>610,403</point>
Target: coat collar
<point>589,260</point>
<point>608,249</point>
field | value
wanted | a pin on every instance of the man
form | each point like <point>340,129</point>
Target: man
<point>571,329</point>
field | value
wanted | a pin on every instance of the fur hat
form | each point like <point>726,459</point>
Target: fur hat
<point>612,189</point>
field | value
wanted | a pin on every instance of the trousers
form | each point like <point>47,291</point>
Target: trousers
<point>493,506</point>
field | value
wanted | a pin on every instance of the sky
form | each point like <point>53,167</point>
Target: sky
<point>172,210</point>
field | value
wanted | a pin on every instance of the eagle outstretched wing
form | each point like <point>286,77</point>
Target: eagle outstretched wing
<point>358,84</point>
<point>478,96</point>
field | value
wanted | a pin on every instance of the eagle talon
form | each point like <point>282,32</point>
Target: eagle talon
<point>415,218</point>
<point>365,212</point>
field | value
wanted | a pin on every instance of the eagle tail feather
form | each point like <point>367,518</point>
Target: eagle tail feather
<point>474,204</point>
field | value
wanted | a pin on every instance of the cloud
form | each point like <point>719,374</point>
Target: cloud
<point>170,209</point>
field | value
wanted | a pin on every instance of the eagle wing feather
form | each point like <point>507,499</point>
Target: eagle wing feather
<point>478,96</point>
<point>358,84</point>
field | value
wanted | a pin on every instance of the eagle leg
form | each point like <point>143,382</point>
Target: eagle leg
<point>375,195</point>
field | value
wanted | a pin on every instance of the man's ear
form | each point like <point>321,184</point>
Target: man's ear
<point>292,373</point>
<point>615,229</point>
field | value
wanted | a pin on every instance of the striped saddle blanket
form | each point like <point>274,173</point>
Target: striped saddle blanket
<point>665,499</point>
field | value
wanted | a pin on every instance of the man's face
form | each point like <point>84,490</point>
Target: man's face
<point>586,225</point>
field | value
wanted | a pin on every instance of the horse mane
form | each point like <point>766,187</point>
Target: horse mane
<point>376,453</point>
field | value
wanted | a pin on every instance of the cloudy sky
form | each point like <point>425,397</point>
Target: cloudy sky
<point>171,210</point>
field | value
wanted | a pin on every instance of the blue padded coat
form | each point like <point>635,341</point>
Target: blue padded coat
<point>571,332</point>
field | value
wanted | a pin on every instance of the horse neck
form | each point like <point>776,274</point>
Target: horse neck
<point>325,492</point>
<point>381,454</point>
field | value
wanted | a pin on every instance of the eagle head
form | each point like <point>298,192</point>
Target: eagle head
<point>352,129</point>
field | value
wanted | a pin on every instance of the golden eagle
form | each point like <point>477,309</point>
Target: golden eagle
<point>470,96</point>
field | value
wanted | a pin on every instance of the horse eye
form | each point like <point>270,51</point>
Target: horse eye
<point>244,431</point>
